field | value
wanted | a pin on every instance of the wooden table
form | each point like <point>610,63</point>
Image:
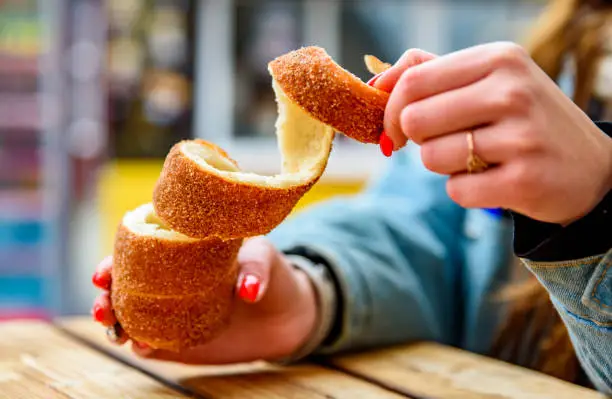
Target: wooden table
<point>72,359</point>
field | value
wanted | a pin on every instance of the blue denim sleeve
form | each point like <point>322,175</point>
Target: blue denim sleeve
<point>395,252</point>
<point>581,290</point>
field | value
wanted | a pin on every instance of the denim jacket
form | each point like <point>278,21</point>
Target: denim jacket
<point>410,264</point>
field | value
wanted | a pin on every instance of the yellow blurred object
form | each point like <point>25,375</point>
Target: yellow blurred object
<point>126,184</point>
<point>374,65</point>
<point>21,37</point>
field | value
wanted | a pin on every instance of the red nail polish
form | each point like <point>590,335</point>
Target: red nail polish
<point>101,281</point>
<point>372,81</point>
<point>249,289</point>
<point>141,345</point>
<point>386,145</point>
<point>98,313</point>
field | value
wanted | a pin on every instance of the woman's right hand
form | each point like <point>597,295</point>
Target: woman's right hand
<point>274,314</point>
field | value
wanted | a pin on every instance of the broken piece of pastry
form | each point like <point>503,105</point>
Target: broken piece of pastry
<point>331,94</point>
<point>202,193</point>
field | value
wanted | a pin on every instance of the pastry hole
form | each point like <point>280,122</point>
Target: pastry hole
<point>143,220</point>
<point>210,157</point>
<point>152,218</point>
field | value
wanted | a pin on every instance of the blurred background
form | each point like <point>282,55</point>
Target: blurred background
<point>93,94</point>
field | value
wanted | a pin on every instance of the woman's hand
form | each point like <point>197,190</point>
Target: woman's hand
<point>274,314</point>
<point>546,158</point>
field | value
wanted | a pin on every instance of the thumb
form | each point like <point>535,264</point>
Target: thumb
<point>409,59</point>
<point>256,257</point>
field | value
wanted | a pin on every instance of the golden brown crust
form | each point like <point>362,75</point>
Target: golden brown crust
<point>175,323</point>
<point>201,204</point>
<point>150,265</point>
<point>172,294</point>
<point>312,80</point>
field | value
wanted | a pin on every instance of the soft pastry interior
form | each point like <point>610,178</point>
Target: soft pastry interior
<point>304,143</point>
<point>143,221</point>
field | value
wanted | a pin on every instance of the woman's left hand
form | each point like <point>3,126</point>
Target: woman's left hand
<point>547,159</point>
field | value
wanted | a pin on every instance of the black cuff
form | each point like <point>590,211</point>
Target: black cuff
<point>336,328</point>
<point>605,127</point>
<point>546,242</point>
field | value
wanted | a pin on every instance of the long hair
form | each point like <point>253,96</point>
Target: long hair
<point>533,334</point>
<point>572,30</point>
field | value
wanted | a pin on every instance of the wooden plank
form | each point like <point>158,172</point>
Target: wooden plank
<point>38,361</point>
<point>254,380</point>
<point>435,371</point>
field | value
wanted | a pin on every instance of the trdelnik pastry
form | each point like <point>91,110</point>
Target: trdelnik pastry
<point>175,259</point>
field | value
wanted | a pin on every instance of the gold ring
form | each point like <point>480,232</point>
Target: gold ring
<point>113,333</point>
<point>474,163</point>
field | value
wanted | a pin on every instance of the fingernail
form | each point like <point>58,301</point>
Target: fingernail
<point>372,81</point>
<point>98,313</point>
<point>101,281</point>
<point>142,349</point>
<point>249,288</point>
<point>386,145</point>
<point>142,345</point>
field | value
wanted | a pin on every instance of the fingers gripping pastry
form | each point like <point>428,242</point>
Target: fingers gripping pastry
<point>175,259</point>
<point>169,290</point>
<point>313,81</point>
